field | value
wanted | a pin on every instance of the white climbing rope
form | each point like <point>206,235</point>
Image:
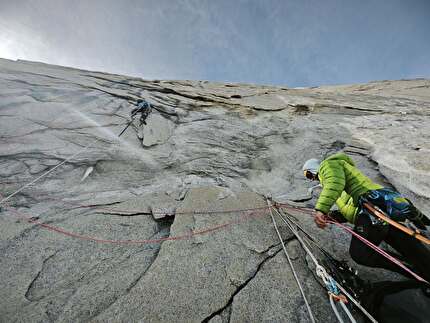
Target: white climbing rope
<point>336,312</point>
<point>311,316</point>
<point>328,280</point>
<point>356,303</point>
<point>322,273</point>
<point>44,174</point>
<point>348,312</point>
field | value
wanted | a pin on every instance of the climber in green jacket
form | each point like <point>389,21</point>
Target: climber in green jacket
<point>344,185</point>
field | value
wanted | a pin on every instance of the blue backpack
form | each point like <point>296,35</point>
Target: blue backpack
<point>392,203</point>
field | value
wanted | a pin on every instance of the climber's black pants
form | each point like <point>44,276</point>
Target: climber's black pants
<point>412,250</point>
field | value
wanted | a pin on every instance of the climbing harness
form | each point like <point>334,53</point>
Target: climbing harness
<point>384,217</point>
<point>388,207</point>
<point>144,109</point>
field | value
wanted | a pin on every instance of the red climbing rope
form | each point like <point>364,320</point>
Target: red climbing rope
<point>33,220</point>
<point>379,250</point>
<point>253,213</point>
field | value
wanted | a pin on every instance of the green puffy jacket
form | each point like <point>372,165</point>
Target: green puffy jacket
<point>342,184</point>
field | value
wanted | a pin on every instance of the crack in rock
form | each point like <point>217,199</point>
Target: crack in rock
<point>164,225</point>
<point>243,285</point>
<point>30,289</point>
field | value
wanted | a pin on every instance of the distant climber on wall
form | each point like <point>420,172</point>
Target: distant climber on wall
<point>144,108</point>
<point>342,183</point>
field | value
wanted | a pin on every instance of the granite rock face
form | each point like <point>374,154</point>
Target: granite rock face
<point>206,146</point>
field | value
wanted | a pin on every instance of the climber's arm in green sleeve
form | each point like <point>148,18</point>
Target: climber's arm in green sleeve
<point>346,206</point>
<point>332,178</point>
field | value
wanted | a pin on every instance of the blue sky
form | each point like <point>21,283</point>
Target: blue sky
<point>282,42</point>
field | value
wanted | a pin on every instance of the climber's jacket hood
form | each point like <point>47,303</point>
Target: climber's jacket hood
<point>342,184</point>
<point>341,156</point>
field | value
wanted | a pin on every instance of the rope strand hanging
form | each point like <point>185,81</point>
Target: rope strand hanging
<point>311,315</point>
<point>322,273</point>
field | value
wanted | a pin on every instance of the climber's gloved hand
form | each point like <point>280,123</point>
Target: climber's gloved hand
<point>337,216</point>
<point>320,219</point>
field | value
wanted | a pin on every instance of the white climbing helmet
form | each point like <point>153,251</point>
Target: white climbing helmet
<point>312,166</point>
